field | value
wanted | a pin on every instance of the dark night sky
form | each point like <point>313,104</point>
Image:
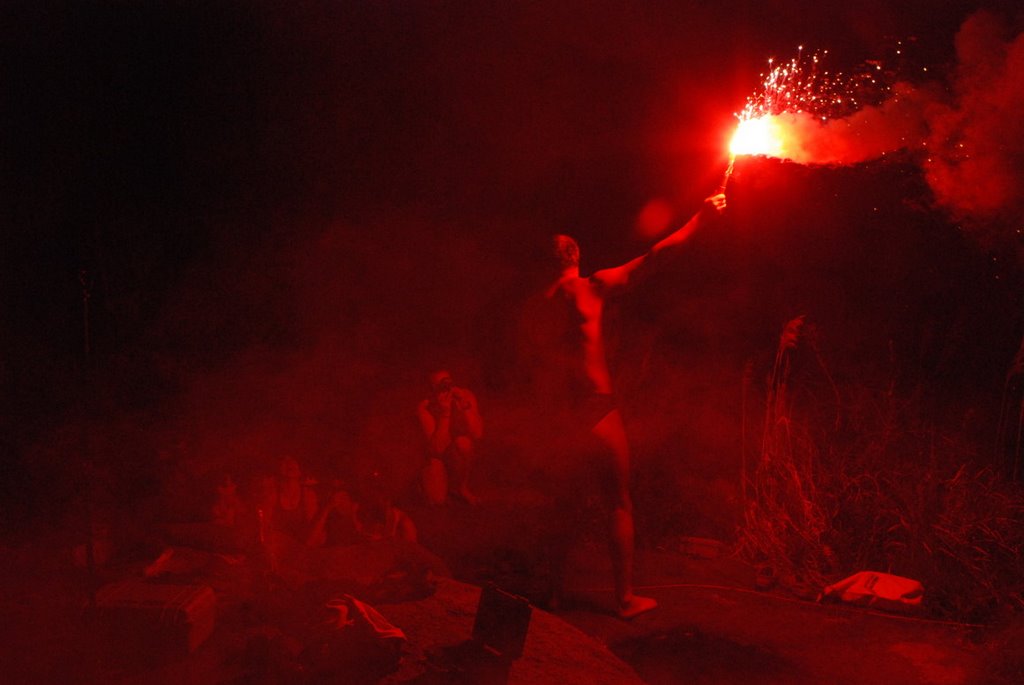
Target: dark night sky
<point>353,184</point>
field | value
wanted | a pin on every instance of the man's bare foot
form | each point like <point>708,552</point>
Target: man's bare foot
<point>636,605</point>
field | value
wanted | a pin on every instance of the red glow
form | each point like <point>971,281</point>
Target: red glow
<point>654,218</point>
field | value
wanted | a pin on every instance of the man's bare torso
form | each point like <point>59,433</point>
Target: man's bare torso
<point>574,335</point>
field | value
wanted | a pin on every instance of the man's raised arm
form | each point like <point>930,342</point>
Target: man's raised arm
<point>619,276</point>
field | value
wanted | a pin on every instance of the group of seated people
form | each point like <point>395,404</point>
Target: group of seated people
<point>323,514</point>
<point>288,504</point>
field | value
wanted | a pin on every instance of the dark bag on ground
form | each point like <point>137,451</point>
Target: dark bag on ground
<point>155,619</point>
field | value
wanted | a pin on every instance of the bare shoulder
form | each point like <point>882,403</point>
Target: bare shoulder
<point>598,281</point>
<point>571,288</point>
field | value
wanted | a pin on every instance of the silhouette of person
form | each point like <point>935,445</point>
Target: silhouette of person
<point>295,503</point>
<point>375,517</point>
<point>451,423</point>
<point>371,515</point>
<point>566,339</point>
<point>333,524</point>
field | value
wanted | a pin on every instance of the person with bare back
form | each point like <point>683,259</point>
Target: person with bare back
<point>567,344</point>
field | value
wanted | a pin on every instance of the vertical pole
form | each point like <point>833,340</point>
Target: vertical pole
<point>90,550</point>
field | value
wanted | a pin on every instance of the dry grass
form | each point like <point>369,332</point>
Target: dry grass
<point>784,524</point>
<point>874,487</point>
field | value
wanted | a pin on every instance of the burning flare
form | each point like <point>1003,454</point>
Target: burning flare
<point>790,93</point>
<point>810,116</point>
<point>761,136</point>
<point>966,134</point>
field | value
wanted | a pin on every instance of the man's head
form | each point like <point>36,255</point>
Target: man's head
<point>564,252</point>
<point>289,469</point>
<point>440,381</point>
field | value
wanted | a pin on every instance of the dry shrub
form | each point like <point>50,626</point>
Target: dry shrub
<point>876,487</point>
<point>956,527</point>
<point>784,523</point>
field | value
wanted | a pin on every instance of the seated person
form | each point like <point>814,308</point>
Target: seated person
<point>377,518</point>
<point>228,509</point>
<point>451,424</point>
<point>370,517</point>
<point>334,526</point>
<point>226,525</point>
<point>288,504</point>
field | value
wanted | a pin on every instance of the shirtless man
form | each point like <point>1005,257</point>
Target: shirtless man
<point>568,338</point>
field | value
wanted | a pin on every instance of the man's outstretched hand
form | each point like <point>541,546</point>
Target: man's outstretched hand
<point>715,204</point>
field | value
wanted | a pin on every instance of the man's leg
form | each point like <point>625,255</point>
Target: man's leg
<point>462,455</point>
<point>559,533</point>
<point>434,479</point>
<point>611,432</point>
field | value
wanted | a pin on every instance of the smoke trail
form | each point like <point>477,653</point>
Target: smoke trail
<point>869,133</point>
<point>975,164</point>
<point>968,134</point>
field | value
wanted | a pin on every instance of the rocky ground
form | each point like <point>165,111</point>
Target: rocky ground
<point>712,624</point>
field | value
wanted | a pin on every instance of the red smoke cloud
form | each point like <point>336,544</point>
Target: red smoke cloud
<point>871,132</point>
<point>969,132</point>
<point>976,141</point>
